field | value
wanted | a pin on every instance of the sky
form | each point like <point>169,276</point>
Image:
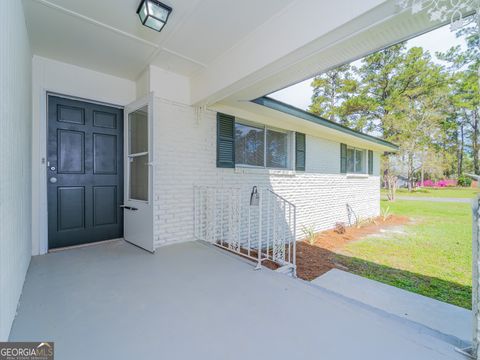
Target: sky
<point>439,40</point>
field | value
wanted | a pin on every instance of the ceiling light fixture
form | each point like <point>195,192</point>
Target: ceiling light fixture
<point>153,14</point>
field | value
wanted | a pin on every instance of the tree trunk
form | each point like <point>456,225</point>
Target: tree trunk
<point>460,151</point>
<point>475,145</point>
<point>410,172</point>
<point>391,181</point>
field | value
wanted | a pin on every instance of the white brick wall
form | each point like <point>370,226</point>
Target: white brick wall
<point>185,149</point>
<point>15,159</point>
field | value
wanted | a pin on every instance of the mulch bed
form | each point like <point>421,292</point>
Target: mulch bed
<point>315,260</point>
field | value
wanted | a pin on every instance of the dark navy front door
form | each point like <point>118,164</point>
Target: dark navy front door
<point>84,172</point>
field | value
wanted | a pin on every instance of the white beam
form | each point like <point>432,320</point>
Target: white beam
<point>284,34</point>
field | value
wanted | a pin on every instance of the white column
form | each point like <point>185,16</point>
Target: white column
<point>475,277</point>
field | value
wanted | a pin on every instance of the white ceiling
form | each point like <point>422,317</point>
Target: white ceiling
<point>232,50</point>
<point>107,35</point>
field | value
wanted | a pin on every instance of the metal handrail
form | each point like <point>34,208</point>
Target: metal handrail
<point>280,197</point>
<point>225,216</point>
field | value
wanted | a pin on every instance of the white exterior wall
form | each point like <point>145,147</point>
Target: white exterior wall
<point>185,151</point>
<point>168,85</point>
<point>15,160</point>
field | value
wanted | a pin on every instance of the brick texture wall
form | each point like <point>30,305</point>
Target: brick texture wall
<point>185,151</point>
<point>15,161</point>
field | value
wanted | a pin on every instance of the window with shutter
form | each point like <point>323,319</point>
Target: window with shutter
<point>370,162</point>
<point>343,158</point>
<point>300,151</point>
<point>354,160</point>
<point>225,141</point>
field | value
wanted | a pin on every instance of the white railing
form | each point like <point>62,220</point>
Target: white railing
<point>474,350</point>
<point>262,228</point>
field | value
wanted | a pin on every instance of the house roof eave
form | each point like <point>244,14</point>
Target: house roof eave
<point>305,115</point>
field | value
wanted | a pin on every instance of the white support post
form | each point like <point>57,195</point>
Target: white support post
<point>473,351</point>
<point>475,278</point>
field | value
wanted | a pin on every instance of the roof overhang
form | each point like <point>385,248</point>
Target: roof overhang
<point>305,115</point>
<point>274,113</point>
<point>265,70</point>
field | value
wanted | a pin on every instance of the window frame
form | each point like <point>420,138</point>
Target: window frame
<point>132,156</point>
<point>255,126</point>
<point>365,160</point>
<point>267,128</point>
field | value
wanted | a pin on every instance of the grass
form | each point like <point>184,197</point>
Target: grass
<point>433,257</point>
<point>448,192</point>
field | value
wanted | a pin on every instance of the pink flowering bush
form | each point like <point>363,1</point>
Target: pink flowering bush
<point>438,184</point>
<point>427,183</point>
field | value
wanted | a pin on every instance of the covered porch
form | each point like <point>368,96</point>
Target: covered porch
<point>193,300</point>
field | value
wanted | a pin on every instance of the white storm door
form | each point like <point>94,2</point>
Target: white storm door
<point>138,205</point>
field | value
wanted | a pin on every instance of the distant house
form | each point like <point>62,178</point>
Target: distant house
<point>402,181</point>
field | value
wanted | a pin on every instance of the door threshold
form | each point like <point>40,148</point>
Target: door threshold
<point>103,242</point>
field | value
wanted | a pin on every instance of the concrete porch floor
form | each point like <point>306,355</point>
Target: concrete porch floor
<point>452,323</point>
<point>193,301</point>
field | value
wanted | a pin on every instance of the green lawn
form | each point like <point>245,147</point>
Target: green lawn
<point>433,257</point>
<point>439,192</point>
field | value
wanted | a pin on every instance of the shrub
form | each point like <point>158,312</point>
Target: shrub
<point>438,184</point>
<point>427,183</point>
<point>386,213</point>
<point>310,234</point>
<point>464,181</point>
<point>441,183</point>
<point>363,222</point>
<point>451,183</point>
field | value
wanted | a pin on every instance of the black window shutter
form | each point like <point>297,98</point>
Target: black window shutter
<point>300,151</point>
<point>225,141</point>
<point>370,162</point>
<point>343,158</point>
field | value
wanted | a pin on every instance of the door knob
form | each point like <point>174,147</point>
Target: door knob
<point>53,180</point>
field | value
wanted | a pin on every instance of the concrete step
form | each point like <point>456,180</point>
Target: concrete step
<point>287,269</point>
<point>452,323</point>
